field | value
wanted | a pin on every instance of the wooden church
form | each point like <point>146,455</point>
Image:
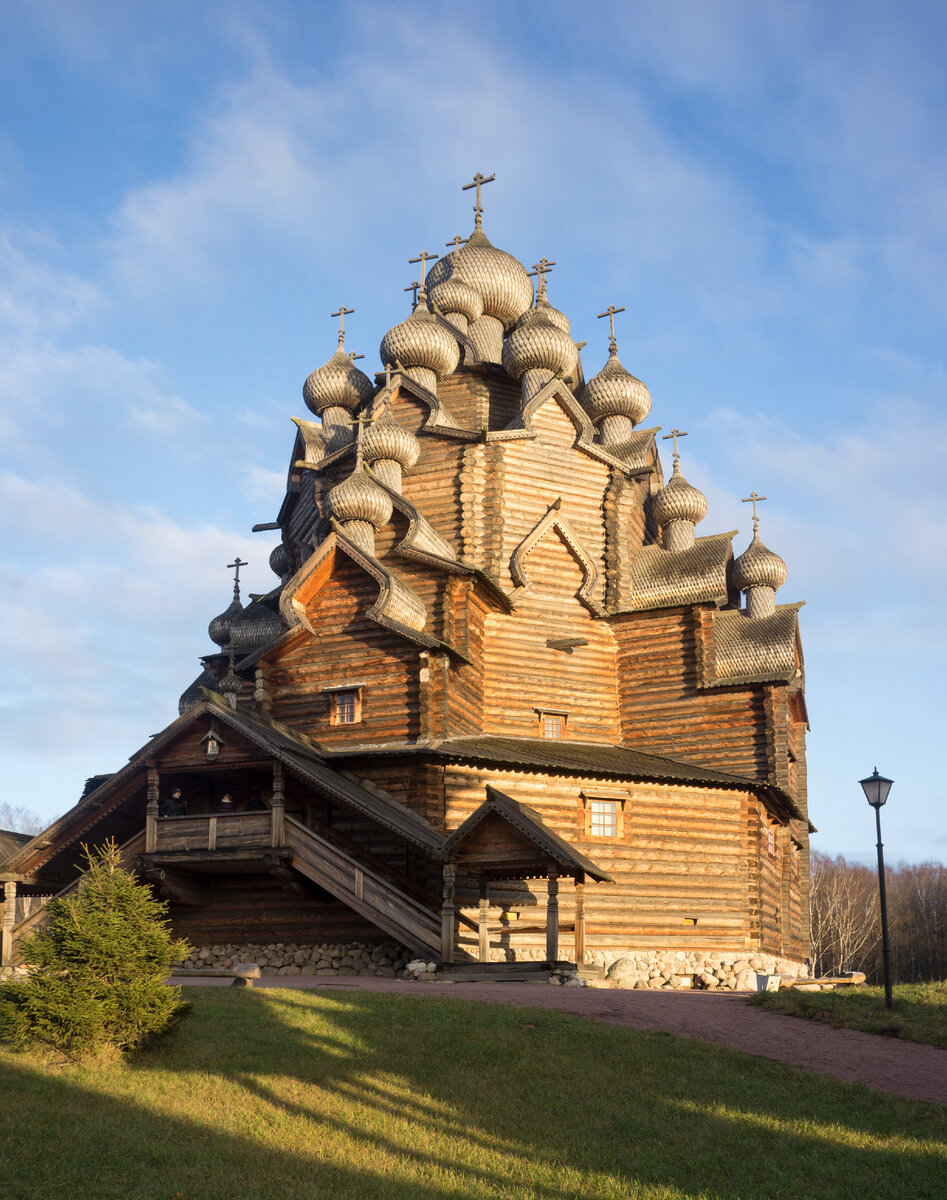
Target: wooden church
<point>504,701</point>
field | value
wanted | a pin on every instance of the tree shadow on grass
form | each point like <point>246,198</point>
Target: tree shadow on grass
<point>285,1094</point>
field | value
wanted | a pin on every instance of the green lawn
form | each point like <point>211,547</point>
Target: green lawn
<point>273,1094</point>
<point>919,1013</point>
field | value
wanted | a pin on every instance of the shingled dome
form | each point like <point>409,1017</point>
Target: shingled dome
<point>337,384</point>
<point>615,392</point>
<point>499,279</point>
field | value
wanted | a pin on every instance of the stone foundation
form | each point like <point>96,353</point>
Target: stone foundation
<point>676,969</point>
<point>384,960</point>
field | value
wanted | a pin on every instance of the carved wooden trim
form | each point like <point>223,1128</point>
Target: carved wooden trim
<point>555,520</point>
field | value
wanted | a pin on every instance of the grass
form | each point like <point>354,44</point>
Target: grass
<point>919,1013</point>
<point>266,1095</point>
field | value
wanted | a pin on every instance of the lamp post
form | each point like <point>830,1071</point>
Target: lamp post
<point>876,789</point>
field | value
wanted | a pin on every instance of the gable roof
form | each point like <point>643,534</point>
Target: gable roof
<point>527,821</point>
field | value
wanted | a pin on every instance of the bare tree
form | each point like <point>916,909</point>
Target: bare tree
<point>845,927</point>
<point>20,820</point>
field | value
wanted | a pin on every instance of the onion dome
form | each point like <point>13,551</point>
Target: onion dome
<point>551,314</point>
<point>615,392</point>
<point>281,560</point>
<point>679,501</point>
<point>455,296</point>
<point>422,341</point>
<point>759,567</point>
<point>257,625</point>
<point>357,498</point>
<point>386,439</point>
<point>229,686</point>
<point>219,628</point>
<point>192,694</point>
<point>499,279</point>
<point>537,343</point>
<point>337,384</point>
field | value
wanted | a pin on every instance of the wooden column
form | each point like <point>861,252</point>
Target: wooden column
<point>277,829</point>
<point>580,919</point>
<point>151,811</point>
<point>447,914</point>
<point>9,919</point>
<point>482,927</point>
<point>552,915</point>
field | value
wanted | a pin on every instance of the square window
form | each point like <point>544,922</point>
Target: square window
<point>552,725</point>
<point>345,706</point>
<point>603,818</point>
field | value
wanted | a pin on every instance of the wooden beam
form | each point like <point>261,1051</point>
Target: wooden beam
<point>483,929</point>
<point>580,919</point>
<point>447,914</point>
<point>552,915</point>
<point>9,918</point>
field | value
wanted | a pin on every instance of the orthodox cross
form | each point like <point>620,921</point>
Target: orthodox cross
<point>422,259</point>
<point>754,499</point>
<point>358,424</point>
<point>353,356</point>
<point>675,433</point>
<point>413,289</point>
<point>457,241</point>
<point>235,567</point>
<point>341,315</point>
<point>612,344</point>
<point>478,182</point>
<point>541,270</point>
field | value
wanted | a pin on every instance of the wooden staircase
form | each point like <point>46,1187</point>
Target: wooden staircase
<point>368,893</point>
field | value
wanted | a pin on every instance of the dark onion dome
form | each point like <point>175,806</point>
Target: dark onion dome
<point>257,625</point>
<point>337,384</point>
<point>219,628</point>
<point>499,279</point>
<point>759,567</point>
<point>422,341</point>
<point>358,498</point>
<point>536,342</point>
<point>386,439</point>
<point>679,500</point>
<point>281,560</point>
<point>192,695</point>
<point>615,392</point>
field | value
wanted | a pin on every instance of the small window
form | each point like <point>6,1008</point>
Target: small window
<point>345,704</point>
<point>771,840</point>
<point>552,722</point>
<point>604,815</point>
<point>603,818</point>
<point>552,725</point>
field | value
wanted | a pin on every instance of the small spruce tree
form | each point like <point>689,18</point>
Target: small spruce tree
<point>97,969</point>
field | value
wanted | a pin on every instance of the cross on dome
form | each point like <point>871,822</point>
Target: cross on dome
<point>541,270</point>
<point>413,289</point>
<point>235,567</point>
<point>754,499</point>
<point>422,258</point>
<point>341,315</point>
<point>457,241</point>
<point>478,181</point>
<point>612,344</point>
<point>675,433</point>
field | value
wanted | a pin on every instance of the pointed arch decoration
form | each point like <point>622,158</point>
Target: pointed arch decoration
<point>554,520</point>
<point>397,607</point>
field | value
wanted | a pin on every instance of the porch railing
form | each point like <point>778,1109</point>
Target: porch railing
<point>213,831</point>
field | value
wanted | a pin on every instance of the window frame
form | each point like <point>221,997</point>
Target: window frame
<point>338,695</point>
<point>546,713</point>
<point>592,797</point>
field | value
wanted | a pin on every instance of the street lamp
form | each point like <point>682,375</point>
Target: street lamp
<point>876,789</point>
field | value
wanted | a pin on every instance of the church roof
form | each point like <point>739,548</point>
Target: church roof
<point>753,650</point>
<point>664,578</point>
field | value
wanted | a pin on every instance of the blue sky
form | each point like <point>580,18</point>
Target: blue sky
<point>187,191</point>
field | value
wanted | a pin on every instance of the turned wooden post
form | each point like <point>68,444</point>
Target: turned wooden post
<point>447,914</point>
<point>552,915</point>
<point>151,811</point>
<point>277,828</point>
<point>9,919</point>
<point>580,919</point>
<point>482,928</point>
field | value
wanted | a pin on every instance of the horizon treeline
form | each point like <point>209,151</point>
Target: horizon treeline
<point>846,921</point>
